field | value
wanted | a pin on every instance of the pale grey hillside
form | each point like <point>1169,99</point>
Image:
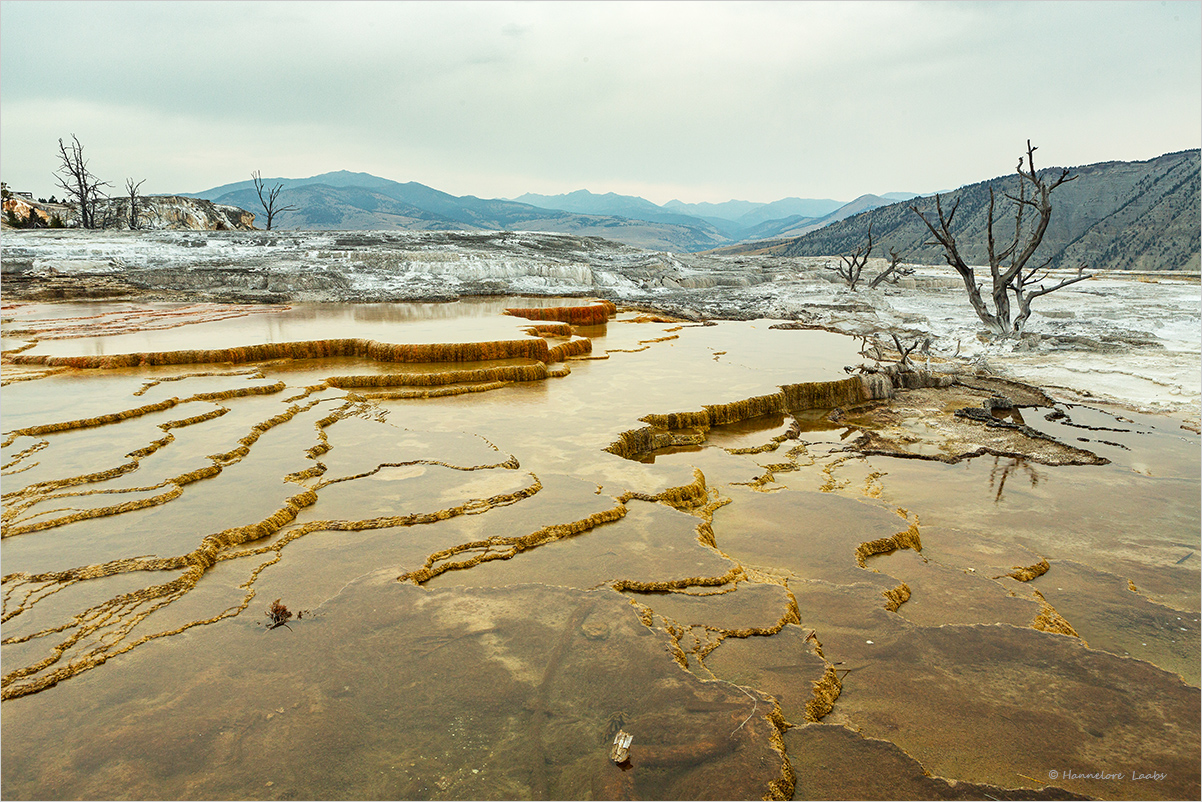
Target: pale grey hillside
<point>1114,216</point>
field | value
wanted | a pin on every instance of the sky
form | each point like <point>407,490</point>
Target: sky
<point>697,101</point>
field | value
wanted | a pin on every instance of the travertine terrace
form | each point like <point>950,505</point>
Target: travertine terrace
<point>520,522</point>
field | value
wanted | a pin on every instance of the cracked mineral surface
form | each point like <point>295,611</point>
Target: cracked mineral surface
<point>510,536</point>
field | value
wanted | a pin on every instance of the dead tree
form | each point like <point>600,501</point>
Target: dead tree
<point>83,189</point>
<point>853,263</point>
<point>134,201</point>
<point>1008,266</point>
<point>269,201</point>
<point>904,363</point>
<point>891,273</point>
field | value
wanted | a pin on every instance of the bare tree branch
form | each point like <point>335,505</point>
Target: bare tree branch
<point>83,189</point>
<point>132,191</point>
<point>269,202</point>
<point>905,352</point>
<point>854,262</point>
<point>893,272</point>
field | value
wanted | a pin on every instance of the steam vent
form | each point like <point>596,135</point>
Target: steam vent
<point>454,550</point>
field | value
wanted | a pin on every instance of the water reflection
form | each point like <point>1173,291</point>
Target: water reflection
<point>1002,471</point>
<point>226,326</point>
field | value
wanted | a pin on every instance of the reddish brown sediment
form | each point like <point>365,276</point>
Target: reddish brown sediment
<point>532,348</point>
<point>113,620</point>
<point>552,329</point>
<point>118,616</point>
<point>907,539</point>
<point>175,488</point>
<point>635,443</point>
<point>21,456</point>
<point>733,575</point>
<point>596,313</point>
<point>506,373</point>
<point>511,463</point>
<point>1049,620</point>
<point>502,548</point>
<point>249,439</point>
<point>685,497</point>
<point>25,373</point>
<point>436,392</point>
<point>101,420</point>
<point>656,317</point>
<point>581,346</point>
<point>19,348</point>
<point>1027,573</point>
<point>249,373</point>
<point>896,597</point>
<point>467,381</point>
<point>42,491</point>
<point>783,788</point>
<point>645,344</point>
<point>826,691</point>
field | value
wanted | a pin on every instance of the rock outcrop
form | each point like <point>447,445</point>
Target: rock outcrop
<point>159,212</point>
<point>22,207</point>
<point>155,213</point>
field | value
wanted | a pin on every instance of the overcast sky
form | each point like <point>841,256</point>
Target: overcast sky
<point>701,101</point>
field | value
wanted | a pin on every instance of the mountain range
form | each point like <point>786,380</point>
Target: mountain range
<point>1113,215</point>
<point>360,201</point>
<point>1142,215</point>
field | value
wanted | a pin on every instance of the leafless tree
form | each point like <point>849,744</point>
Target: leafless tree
<point>891,273</point>
<point>853,263</point>
<point>1008,266</point>
<point>134,200</point>
<point>269,202</point>
<point>82,188</point>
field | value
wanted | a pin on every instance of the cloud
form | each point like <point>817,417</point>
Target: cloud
<point>701,100</point>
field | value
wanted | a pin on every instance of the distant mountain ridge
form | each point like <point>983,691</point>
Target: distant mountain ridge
<point>345,200</point>
<point>359,202</point>
<point>1114,216</point>
<point>736,219</point>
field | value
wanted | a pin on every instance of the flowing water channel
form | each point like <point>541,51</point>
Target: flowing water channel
<point>495,561</point>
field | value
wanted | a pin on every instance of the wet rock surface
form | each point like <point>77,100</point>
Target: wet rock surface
<point>349,703</point>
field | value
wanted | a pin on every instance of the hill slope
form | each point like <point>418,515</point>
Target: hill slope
<point>359,201</point>
<point>1114,216</point>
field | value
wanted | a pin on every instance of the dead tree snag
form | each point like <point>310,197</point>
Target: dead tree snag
<point>1009,272</point>
<point>269,201</point>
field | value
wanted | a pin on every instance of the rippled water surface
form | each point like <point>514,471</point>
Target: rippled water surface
<point>484,591</point>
